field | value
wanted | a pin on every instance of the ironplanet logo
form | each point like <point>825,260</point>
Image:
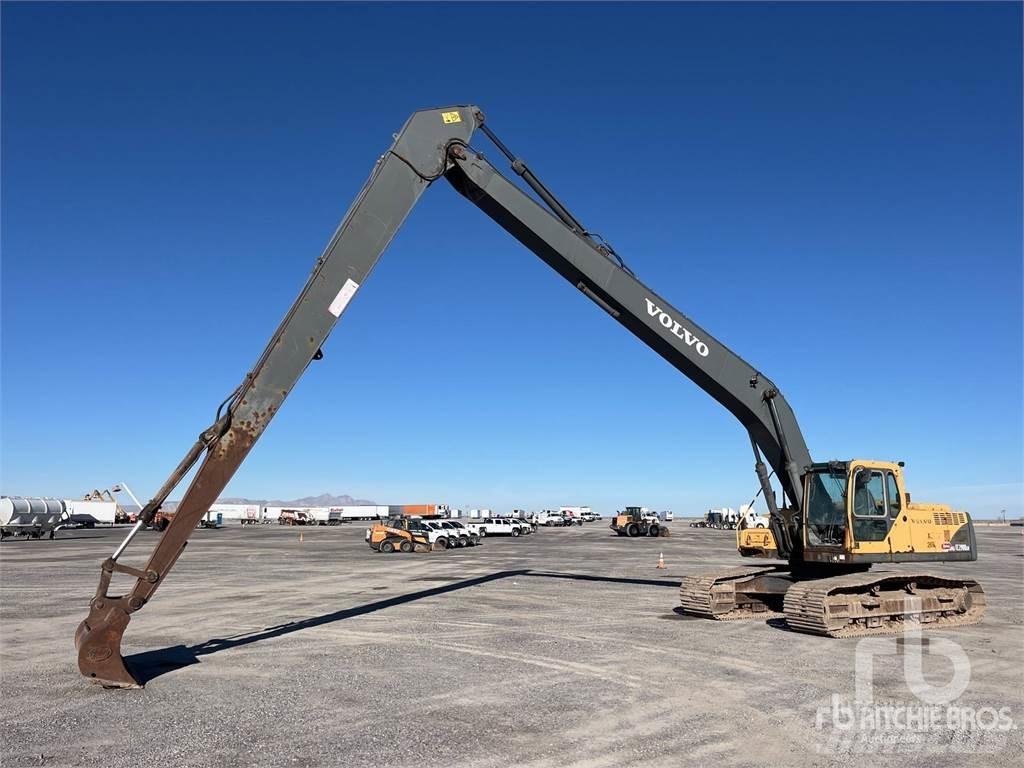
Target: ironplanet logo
<point>673,326</point>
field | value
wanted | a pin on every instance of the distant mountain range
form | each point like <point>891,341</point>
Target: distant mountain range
<point>323,500</point>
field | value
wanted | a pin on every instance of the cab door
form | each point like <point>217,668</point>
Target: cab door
<point>899,528</point>
<point>870,516</point>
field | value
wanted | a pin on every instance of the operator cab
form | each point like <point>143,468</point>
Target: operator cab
<point>850,502</point>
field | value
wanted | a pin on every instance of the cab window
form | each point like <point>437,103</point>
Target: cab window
<point>826,508</point>
<point>868,494</point>
<point>895,507</point>
<point>869,508</point>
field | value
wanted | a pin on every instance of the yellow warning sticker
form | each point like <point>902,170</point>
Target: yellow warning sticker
<point>451,117</point>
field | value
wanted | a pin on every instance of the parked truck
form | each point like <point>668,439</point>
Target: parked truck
<point>577,513</point>
<point>31,516</point>
<point>418,510</point>
<point>459,535</point>
<point>727,519</point>
<point>503,526</point>
<point>439,537</point>
<point>296,517</point>
<point>551,518</point>
<point>751,518</point>
<point>474,527</point>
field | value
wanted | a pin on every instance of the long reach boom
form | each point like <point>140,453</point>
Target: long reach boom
<point>434,144</point>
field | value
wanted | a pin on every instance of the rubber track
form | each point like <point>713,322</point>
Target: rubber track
<point>695,593</point>
<point>804,604</point>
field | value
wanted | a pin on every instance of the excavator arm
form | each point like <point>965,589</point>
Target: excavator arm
<point>432,144</point>
<point>593,268</point>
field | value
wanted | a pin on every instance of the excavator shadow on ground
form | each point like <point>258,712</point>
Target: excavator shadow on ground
<point>150,665</point>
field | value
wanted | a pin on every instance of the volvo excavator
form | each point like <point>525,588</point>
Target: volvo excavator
<point>835,520</point>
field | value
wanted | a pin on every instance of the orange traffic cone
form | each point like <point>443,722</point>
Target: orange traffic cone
<point>661,560</point>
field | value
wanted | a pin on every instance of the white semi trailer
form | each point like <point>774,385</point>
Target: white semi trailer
<point>245,514</point>
<point>332,515</point>
<point>34,517</point>
<point>92,512</point>
<point>358,512</point>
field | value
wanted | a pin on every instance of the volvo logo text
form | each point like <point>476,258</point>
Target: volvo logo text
<point>673,327</point>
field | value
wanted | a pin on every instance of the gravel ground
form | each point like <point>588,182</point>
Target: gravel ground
<point>557,649</point>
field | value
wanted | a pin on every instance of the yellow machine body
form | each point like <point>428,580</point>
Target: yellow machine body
<point>869,518</point>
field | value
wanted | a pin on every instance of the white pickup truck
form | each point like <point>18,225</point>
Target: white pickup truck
<point>474,527</point>
<point>549,518</point>
<point>439,538</point>
<point>505,526</point>
<point>459,534</point>
<point>525,526</point>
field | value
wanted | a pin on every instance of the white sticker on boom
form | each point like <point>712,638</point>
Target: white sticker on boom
<point>348,290</point>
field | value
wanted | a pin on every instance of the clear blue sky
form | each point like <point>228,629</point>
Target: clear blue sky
<point>833,190</point>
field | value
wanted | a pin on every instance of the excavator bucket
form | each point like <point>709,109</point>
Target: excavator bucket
<point>98,640</point>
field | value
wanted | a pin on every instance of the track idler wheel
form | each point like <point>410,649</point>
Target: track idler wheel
<point>98,640</point>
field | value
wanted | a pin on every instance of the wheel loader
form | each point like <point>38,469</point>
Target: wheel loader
<point>834,520</point>
<point>633,521</point>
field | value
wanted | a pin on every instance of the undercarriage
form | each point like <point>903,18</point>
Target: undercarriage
<point>846,605</point>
